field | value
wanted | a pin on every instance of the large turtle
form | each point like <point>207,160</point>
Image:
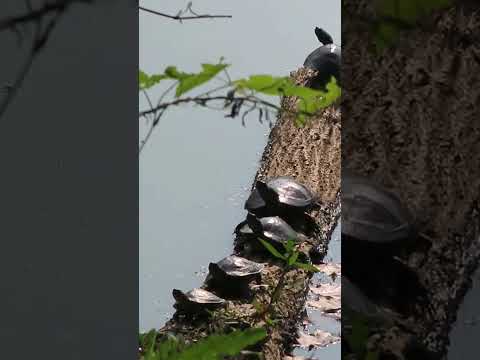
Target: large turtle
<point>326,59</point>
<point>231,275</point>
<point>196,300</point>
<point>278,196</point>
<point>374,218</point>
<point>371,213</point>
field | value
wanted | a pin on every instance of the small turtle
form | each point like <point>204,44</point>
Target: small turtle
<point>326,60</point>
<point>196,300</point>
<point>272,228</point>
<point>279,195</point>
<point>236,267</point>
<point>231,275</point>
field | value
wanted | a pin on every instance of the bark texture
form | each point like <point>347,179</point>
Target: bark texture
<point>411,121</point>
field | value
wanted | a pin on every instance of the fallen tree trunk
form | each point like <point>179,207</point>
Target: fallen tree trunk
<point>411,122</point>
<point>311,154</point>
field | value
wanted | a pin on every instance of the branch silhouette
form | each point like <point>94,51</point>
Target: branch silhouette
<point>192,15</point>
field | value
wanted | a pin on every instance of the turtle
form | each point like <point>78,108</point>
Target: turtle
<point>232,274</point>
<point>326,59</point>
<point>375,218</point>
<point>196,300</point>
<point>377,231</point>
<point>272,228</point>
<point>279,195</point>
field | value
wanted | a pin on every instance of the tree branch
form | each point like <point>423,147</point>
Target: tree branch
<point>180,17</point>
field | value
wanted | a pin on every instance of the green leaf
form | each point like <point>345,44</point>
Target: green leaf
<point>215,347</point>
<point>372,355</point>
<point>188,81</point>
<point>398,14</point>
<point>293,258</point>
<point>146,81</point>
<point>272,250</point>
<point>289,245</point>
<point>307,267</point>
<point>266,84</point>
<point>359,335</point>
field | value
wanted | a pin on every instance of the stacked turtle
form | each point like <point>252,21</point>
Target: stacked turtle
<point>276,214</point>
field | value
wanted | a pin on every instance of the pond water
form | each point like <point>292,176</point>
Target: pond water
<point>465,334</point>
<point>197,169</point>
<point>317,321</point>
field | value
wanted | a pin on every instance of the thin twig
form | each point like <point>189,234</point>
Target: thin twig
<point>180,17</point>
<point>204,100</point>
<point>35,15</point>
<point>39,41</point>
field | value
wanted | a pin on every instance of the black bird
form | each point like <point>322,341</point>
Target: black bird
<point>323,36</point>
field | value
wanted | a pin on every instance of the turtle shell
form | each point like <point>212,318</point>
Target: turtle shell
<point>236,266</point>
<point>371,213</point>
<point>272,228</point>
<point>285,191</point>
<point>196,299</point>
<point>327,61</point>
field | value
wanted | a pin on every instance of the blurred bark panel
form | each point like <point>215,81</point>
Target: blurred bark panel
<point>411,121</point>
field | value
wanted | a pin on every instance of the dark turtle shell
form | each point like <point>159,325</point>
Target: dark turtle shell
<point>196,299</point>
<point>371,213</point>
<point>236,266</point>
<point>327,61</point>
<point>284,191</point>
<point>272,228</point>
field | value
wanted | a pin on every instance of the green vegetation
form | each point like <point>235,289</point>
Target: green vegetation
<point>238,94</point>
<point>213,347</point>
<point>397,15</point>
<point>290,261</point>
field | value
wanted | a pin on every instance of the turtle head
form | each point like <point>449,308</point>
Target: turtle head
<point>254,223</point>
<point>323,36</point>
<point>213,271</point>
<point>267,194</point>
<point>178,295</point>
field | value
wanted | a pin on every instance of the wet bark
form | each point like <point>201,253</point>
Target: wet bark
<point>411,121</point>
<point>311,154</point>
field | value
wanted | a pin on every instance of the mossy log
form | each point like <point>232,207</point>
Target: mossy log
<point>311,154</point>
<point>411,122</point>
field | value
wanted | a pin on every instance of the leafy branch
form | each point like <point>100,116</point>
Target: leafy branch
<point>236,97</point>
<point>213,347</point>
<point>290,261</point>
<point>191,15</point>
